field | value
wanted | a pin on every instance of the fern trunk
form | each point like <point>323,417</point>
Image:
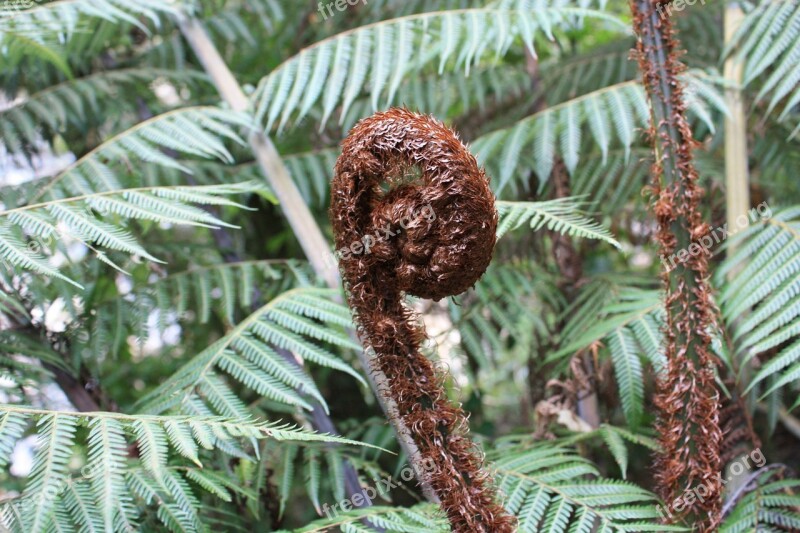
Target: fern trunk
<point>687,399</point>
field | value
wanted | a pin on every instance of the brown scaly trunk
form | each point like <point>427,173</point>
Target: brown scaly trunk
<point>687,399</point>
<point>431,236</point>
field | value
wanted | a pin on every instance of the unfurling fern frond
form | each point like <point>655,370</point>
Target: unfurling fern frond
<point>254,353</point>
<point>378,57</point>
<point>563,215</point>
<point>760,304</point>
<point>608,182</point>
<point>77,219</point>
<point>53,496</point>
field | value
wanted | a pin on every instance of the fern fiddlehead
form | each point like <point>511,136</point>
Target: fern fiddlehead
<point>430,257</point>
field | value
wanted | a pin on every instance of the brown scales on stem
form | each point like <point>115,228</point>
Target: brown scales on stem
<point>687,399</point>
<point>428,260</point>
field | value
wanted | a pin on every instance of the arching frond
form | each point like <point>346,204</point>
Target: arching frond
<point>103,500</point>
<point>552,489</point>
<point>45,224</point>
<point>235,283</point>
<point>563,215</point>
<point>534,141</point>
<point>335,71</point>
<point>56,21</point>
<point>768,42</point>
<point>251,354</point>
<point>74,102</point>
<point>312,173</point>
<point>769,503</point>
<point>760,304</point>
<point>616,439</point>
<point>375,519</point>
<point>625,319</point>
<point>498,319</point>
<point>199,131</point>
<point>612,180</point>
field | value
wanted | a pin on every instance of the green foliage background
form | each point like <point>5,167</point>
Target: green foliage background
<point>172,362</point>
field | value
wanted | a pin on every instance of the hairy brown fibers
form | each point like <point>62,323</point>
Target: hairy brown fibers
<point>394,164</point>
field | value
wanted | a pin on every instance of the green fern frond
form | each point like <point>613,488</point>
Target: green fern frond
<point>59,20</point>
<point>562,215</point>
<point>15,253</point>
<point>293,321</point>
<point>425,517</point>
<point>74,102</point>
<point>100,498</point>
<point>760,305</point>
<point>451,93</point>
<point>768,42</point>
<point>107,452</point>
<point>225,291</point>
<point>353,61</point>
<point>616,438</point>
<point>312,173</point>
<point>76,219</point>
<point>56,438</point>
<point>611,180</point>
<point>770,503</point>
<point>605,305</point>
<point>621,108</point>
<point>627,321</point>
<point>552,489</point>
<point>45,31</point>
<point>199,131</point>
<point>628,372</point>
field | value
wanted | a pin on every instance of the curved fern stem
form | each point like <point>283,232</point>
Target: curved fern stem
<point>432,237</point>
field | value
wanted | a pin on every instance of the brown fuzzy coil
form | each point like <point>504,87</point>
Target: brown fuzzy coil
<point>374,188</point>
